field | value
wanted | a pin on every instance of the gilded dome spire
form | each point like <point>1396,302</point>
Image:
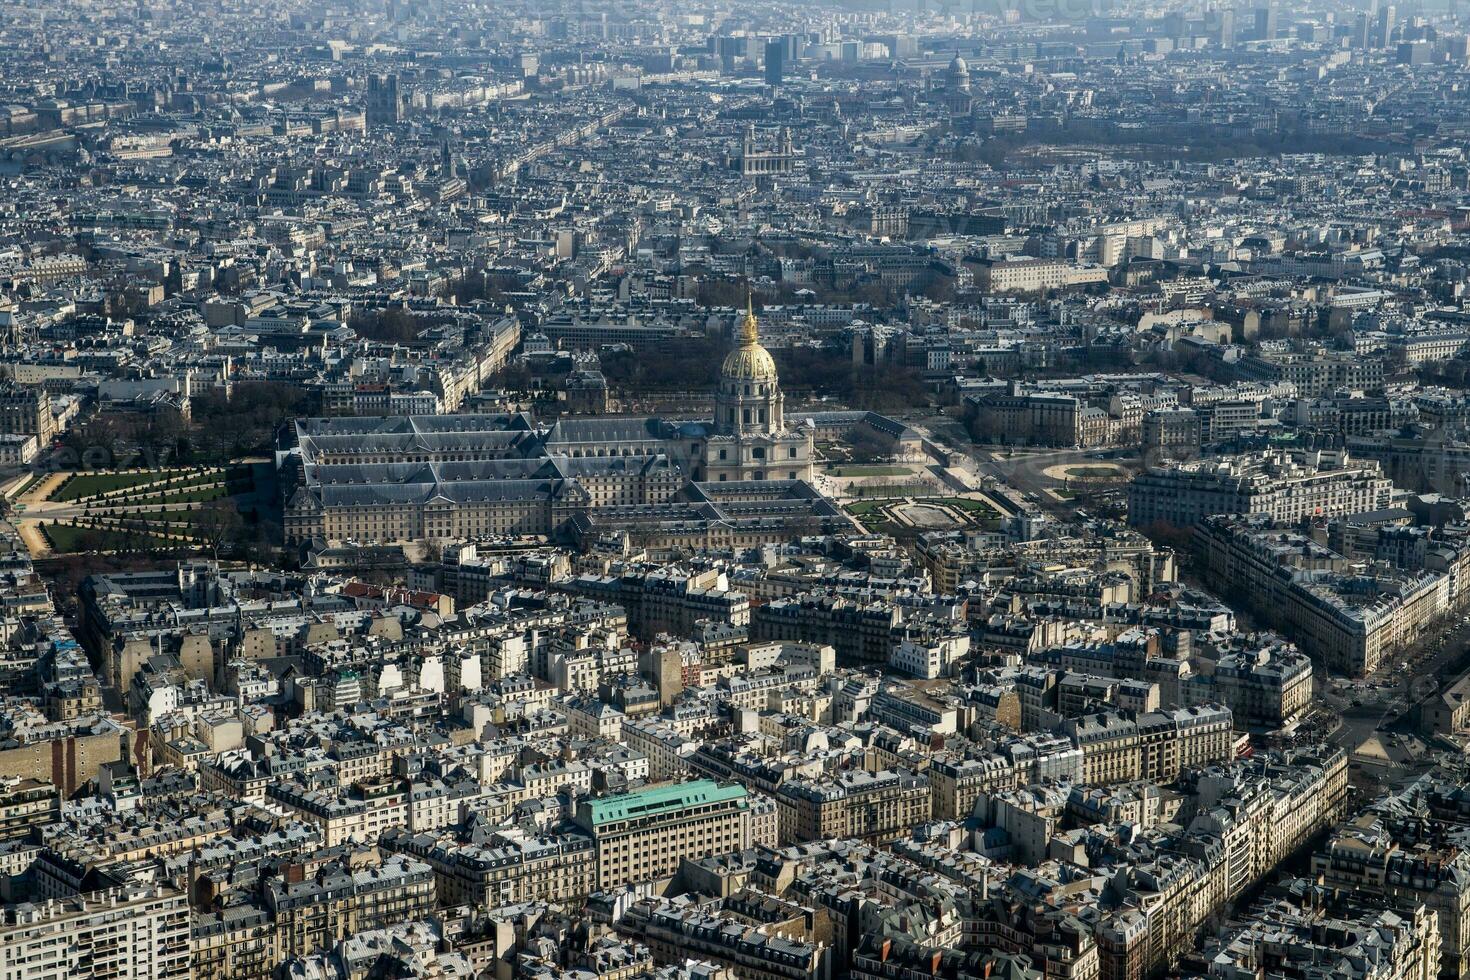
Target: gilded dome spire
<point>749,361</point>
<point>749,332</point>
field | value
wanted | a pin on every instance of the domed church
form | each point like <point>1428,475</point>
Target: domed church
<point>750,440</point>
<point>448,477</point>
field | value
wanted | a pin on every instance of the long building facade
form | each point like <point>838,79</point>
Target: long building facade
<point>1287,486</point>
<point>393,479</point>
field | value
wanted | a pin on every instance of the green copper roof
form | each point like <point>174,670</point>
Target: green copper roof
<point>657,801</point>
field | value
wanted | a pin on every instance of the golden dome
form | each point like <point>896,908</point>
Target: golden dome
<point>749,364</point>
<point>750,361</point>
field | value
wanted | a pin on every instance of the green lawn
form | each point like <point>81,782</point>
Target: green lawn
<point>165,516</point>
<point>1095,473</point>
<point>91,484</point>
<point>969,506</point>
<point>872,516</point>
<point>66,539</point>
<point>869,469</point>
<point>184,496</point>
<point>173,521</point>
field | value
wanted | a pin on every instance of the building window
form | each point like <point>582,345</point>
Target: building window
<point>724,454</point>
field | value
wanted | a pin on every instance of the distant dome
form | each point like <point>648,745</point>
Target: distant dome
<point>958,66</point>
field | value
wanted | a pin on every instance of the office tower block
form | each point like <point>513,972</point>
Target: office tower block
<point>1266,23</point>
<point>1227,27</point>
<point>775,61</point>
<point>1383,36</point>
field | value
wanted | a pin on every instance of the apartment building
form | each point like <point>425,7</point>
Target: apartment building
<point>1184,738</point>
<point>1173,433</point>
<point>510,866</point>
<point>1314,374</point>
<point>900,959</point>
<point>1111,750</point>
<point>1251,815</point>
<point>1287,486</point>
<point>1028,817</point>
<point>1327,933</point>
<point>1161,901</point>
<point>26,411</point>
<point>676,930</point>
<point>313,911</point>
<point>873,806</point>
<point>1121,746</point>
<point>669,599</point>
<point>1265,685</point>
<point>1034,275</point>
<point>237,942</point>
<point>861,632</point>
<point>1406,865</point>
<point>910,710</point>
<point>361,812</point>
<point>643,836</point>
<point>133,932</point>
<point>956,783</point>
<point>26,803</point>
<point>1348,617</point>
<point>662,744</point>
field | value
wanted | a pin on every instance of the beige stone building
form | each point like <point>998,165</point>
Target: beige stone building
<point>128,933</point>
<point>1110,744</point>
<point>876,807</point>
<point>445,477</point>
<point>643,836</point>
<point>312,912</point>
<point>750,439</point>
<point>511,866</point>
<point>1364,857</point>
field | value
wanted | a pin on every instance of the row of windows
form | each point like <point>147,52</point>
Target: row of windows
<point>758,475</point>
<point>759,452</point>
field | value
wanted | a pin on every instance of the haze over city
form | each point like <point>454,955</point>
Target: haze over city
<point>734,490</point>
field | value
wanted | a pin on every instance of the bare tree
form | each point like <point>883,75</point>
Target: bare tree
<point>219,526</point>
